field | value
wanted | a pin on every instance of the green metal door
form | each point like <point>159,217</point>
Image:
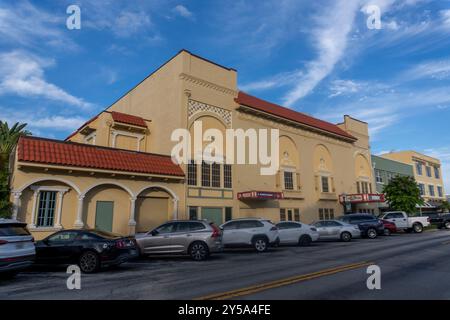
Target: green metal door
<point>213,215</point>
<point>104,215</point>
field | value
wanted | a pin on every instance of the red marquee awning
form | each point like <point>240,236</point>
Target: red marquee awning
<point>259,195</point>
<point>361,198</point>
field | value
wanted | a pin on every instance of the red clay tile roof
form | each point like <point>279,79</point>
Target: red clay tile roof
<point>128,119</point>
<point>55,152</point>
<point>279,111</point>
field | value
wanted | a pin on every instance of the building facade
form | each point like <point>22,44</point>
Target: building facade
<point>427,172</point>
<point>115,171</point>
<point>386,169</point>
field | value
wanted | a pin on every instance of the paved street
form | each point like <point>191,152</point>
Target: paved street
<point>413,266</point>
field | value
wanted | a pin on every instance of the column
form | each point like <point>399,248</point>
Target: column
<point>79,222</point>
<point>16,204</point>
<point>59,209</point>
<point>175,209</point>
<point>33,212</point>
<point>132,221</point>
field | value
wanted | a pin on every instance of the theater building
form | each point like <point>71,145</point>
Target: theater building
<point>115,172</point>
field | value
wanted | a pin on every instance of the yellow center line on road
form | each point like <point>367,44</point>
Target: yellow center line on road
<point>283,282</point>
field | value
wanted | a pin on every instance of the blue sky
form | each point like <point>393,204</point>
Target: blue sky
<point>317,57</point>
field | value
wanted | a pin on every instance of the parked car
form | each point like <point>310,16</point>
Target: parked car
<point>443,221</point>
<point>292,232</point>
<point>90,249</point>
<point>389,227</point>
<point>336,230</point>
<point>369,225</point>
<point>250,232</point>
<point>197,238</point>
<point>17,250</point>
<point>404,222</point>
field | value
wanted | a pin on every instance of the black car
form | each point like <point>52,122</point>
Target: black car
<point>442,221</point>
<point>90,249</point>
<point>369,225</point>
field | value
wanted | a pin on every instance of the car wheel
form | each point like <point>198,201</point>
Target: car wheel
<point>387,232</point>
<point>304,240</point>
<point>447,224</point>
<point>346,236</point>
<point>89,262</point>
<point>260,244</point>
<point>371,233</point>
<point>417,227</point>
<point>198,251</point>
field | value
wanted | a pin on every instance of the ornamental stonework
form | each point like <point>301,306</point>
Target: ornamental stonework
<point>196,107</point>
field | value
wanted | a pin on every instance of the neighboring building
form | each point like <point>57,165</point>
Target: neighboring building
<point>385,170</point>
<point>427,172</point>
<point>115,171</point>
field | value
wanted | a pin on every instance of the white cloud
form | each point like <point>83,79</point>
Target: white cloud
<point>129,23</point>
<point>342,87</point>
<point>436,69</point>
<point>330,41</point>
<point>26,25</point>
<point>183,12</point>
<point>277,81</point>
<point>22,74</point>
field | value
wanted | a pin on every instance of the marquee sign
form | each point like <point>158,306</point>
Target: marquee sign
<point>361,198</point>
<point>259,195</point>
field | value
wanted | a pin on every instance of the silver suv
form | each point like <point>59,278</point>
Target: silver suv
<point>197,238</point>
<point>250,232</point>
<point>17,249</point>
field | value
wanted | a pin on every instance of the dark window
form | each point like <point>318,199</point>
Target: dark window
<point>428,171</point>
<point>437,173</point>
<point>325,186</point>
<point>297,214</point>
<point>289,214</point>
<point>196,226</point>
<point>321,214</point>
<point>216,175</point>
<point>193,213</point>
<point>440,192</point>
<point>422,189</point>
<point>192,173</point>
<point>166,228</point>
<point>419,168</point>
<point>228,213</point>
<point>206,174</point>
<point>333,224</point>
<point>46,209</point>
<point>10,230</point>
<point>246,224</point>
<point>188,226</point>
<point>288,180</point>
<point>64,236</point>
<point>231,225</point>
<point>288,225</point>
<point>282,214</point>
<point>227,176</point>
<point>431,190</point>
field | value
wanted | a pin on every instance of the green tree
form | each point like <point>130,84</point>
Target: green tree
<point>8,140</point>
<point>403,194</point>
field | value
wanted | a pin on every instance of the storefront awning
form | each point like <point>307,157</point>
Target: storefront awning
<point>259,195</point>
<point>361,198</point>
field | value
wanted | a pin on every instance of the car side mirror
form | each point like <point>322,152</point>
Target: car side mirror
<point>154,233</point>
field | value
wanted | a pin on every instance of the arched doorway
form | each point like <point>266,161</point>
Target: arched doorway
<point>154,206</point>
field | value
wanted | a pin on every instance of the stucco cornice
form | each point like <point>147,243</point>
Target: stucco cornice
<point>207,84</point>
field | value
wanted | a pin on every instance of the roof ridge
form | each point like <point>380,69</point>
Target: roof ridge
<point>95,147</point>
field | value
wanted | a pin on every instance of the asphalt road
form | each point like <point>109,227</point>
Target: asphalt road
<point>413,266</point>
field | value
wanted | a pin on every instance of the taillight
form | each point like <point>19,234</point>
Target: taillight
<point>216,232</point>
<point>3,242</point>
<point>120,244</point>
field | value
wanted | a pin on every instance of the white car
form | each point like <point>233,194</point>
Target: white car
<point>17,250</point>
<point>404,222</point>
<point>291,232</point>
<point>337,230</point>
<point>249,232</point>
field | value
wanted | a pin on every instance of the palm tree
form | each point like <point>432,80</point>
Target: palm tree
<point>8,140</point>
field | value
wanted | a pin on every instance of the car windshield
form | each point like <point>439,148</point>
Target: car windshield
<point>11,230</point>
<point>106,234</point>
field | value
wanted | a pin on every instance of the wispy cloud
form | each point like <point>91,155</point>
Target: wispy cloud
<point>277,81</point>
<point>23,74</point>
<point>27,25</point>
<point>183,12</point>
<point>343,87</point>
<point>435,69</point>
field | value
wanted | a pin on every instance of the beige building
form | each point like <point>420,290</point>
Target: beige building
<point>115,172</point>
<point>427,172</point>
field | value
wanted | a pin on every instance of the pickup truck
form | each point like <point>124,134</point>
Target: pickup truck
<point>404,222</point>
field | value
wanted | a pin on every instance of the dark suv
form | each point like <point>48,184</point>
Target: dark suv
<point>442,221</point>
<point>369,225</point>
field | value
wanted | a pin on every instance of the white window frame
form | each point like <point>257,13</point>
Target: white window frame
<point>58,210</point>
